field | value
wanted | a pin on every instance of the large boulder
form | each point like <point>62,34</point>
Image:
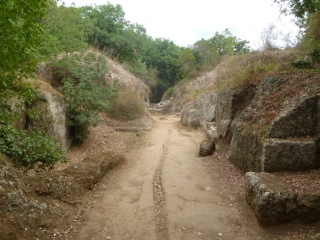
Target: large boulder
<point>309,206</point>
<point>272,200</point>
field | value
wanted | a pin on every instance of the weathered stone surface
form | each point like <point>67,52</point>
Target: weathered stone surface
<point>271,198</point>
<point>245,150</point>
<point>288,154</point>
<point>52,118</point>
<point>163,107</point>
<point>309,206</point>
<point>199,112</point>
<point>297,121</point>
<point>229,105</point>
<point>211,130</point>
<point>279,129</point>
<point>207,147</point>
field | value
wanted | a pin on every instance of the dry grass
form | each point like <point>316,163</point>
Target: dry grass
<point>236,71</point>
<point>36,83</point>
<point>127,106</point>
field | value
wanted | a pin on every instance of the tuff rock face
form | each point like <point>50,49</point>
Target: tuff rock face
<point>278,130</point>
<point>201,114</point>
<point>230,104</point>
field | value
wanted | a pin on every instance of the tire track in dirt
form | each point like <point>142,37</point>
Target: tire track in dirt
<point>159,199</point>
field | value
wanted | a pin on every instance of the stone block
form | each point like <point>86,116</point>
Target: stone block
<point>288,154</point>
<point>272,200</point>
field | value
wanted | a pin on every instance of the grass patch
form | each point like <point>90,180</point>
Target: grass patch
<point>127,106</point>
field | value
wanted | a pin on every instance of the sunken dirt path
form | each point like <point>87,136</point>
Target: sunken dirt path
<point>165,191</point>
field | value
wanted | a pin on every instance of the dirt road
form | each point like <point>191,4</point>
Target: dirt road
<point>165,191</point>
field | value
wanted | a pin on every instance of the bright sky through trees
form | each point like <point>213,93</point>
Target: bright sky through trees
<point>186,22</point>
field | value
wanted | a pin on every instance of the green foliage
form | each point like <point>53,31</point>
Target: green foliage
<point>301,9</point>
<point>64,30</point>
<point>302,64</point>
<point>127,106</point>
<point>85,92</point>
<point>147,75</point>
<point>315,53</point>
<point>186,61</point>
<point>170,91</point>
<point>227,44</point>
<point>29,150</point>
<point>19,37</point>
<point>162,55</point>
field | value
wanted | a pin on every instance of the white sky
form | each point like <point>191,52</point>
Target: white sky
<point>187,21</point>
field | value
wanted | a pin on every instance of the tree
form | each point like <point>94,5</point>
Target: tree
<point>227,44</point>
<point>186,61</point>
<point>301,9</point>
<point>205,53</point>
<point>19,37</point>
<point>65,30</point>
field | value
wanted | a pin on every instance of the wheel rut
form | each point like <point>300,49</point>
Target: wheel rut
<point>159,198</point>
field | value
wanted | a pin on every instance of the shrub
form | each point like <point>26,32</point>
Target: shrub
<point>170,91</point>
<point>28,150</point>
<point>85,92</point>
<point>127,106</point>
<point>301,64</point>
<point>84,101</point>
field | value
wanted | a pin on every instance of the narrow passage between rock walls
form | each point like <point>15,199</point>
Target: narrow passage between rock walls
<point>165,191</point>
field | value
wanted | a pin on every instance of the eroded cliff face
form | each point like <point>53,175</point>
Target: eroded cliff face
<point>51,118</point>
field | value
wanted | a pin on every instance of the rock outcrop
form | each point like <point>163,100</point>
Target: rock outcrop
<point>230,104</point>
<point>162,107</point>
<point>278,130</point>
<point>126,80</point>
<point>51,118</point>
<point>200,113</point>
